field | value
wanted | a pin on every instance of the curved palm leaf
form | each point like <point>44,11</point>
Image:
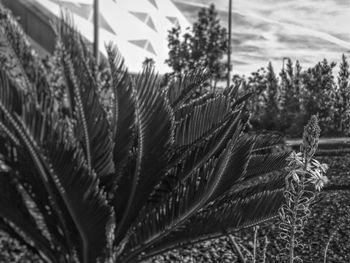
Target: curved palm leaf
<point>82,86</point>
<point>154,120</point>
<point>201,120</point>
<point>246,207</point>
<point>266,163</point>
<point>19,219</point>
<point>172,169</point>
<point>12,104</point>
<point>185,200</point>
<point>205,184</point>
<point>72,187</point>
<point>181,88</point>
<point>19,60</point>
<point>123,113</point>
<point>185,160</point>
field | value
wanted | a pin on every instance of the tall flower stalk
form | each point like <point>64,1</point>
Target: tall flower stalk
<point>306,176</point>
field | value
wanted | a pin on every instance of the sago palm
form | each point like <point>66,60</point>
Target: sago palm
<point>127,175</point>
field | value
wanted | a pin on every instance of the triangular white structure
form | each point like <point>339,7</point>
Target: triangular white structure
<point>139,28</point>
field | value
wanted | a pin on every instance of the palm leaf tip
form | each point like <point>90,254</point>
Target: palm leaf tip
<point>93,187</point>
<point>78,64</point>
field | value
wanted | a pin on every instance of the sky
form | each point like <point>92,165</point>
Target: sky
<point>269,30</point>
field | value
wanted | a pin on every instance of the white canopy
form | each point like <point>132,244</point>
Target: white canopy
<point>139,28</point>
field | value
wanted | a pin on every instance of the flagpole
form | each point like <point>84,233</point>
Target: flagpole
<point>229,44</point>
<point>96,30</point>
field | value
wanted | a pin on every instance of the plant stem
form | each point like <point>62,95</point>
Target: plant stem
<point>291,241</point>
<point>294,219</point>
<point>255,243</point>
<point>265,249</point>
<point>235,247</point>
<point>327,246</point>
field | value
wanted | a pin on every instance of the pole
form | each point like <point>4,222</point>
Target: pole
<point>229,44</point>
<point>96,30</point>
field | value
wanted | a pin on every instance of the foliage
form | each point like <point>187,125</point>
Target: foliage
<point>12,251</point>
<point>202,47</point>
<point>148,62</point>
<point>305,176</point>
<point>287,103</point>
<point>270,118</point>
<point>318,97</point>
<point>327,224</point>
<point>342,99</point>
<point>81,182</point>
<point>291,104</point>
<point>265,100</point>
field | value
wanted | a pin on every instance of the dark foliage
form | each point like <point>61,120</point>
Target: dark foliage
<point>100,166</point>
<point>285,104</point>
<point>202,47</point>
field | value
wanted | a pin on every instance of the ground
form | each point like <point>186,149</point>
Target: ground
<point>330,215</point>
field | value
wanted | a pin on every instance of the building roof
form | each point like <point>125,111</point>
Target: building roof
<point>139,28</point>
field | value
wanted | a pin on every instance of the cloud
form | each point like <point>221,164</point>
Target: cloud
<point>268,30</point>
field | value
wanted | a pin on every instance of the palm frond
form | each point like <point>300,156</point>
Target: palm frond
<point>82,84</point>
<point>153,170</point>
<point>63,174</point>
<point>33,189</point>
<point>201,121</point>
<point>266,163</point>
<point>13,104</point>
<point>91,215</point>
<point>267,142</point>
<point>20,61</point>
<point>182,87</point>
<point>243,208</point>
<point>203,186</point>
<point>155,125</point>
<point>239,101</point>
<point>185,160</point>
<point>11,232</point>
<point>188,107</point>
<point>236,167</point>
<point>123,113</point>
<point>13,209</point>
<point>185,200</point>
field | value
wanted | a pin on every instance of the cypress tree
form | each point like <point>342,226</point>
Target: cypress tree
<point>342,98</point>
<point>318,94</point>
<point>271,115</point>
<point>291,118</point>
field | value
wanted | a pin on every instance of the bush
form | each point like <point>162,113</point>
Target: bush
<point>287,103</point>
<point>82,182</point>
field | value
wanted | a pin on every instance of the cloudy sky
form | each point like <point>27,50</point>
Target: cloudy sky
<point>269,30</point>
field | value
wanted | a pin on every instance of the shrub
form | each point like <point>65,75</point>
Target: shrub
<point>305,177</point>
<point>80,182</point>
<point>285,104</point>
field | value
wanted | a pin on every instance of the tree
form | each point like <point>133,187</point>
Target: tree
<point>292,116</point>
<point>255,85</point>
<point>318,97</point>
<point>342,99</point>
<point>264,104</point>
<point>271,113</point>
<point>146,175</point>
<point>203,47</point>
